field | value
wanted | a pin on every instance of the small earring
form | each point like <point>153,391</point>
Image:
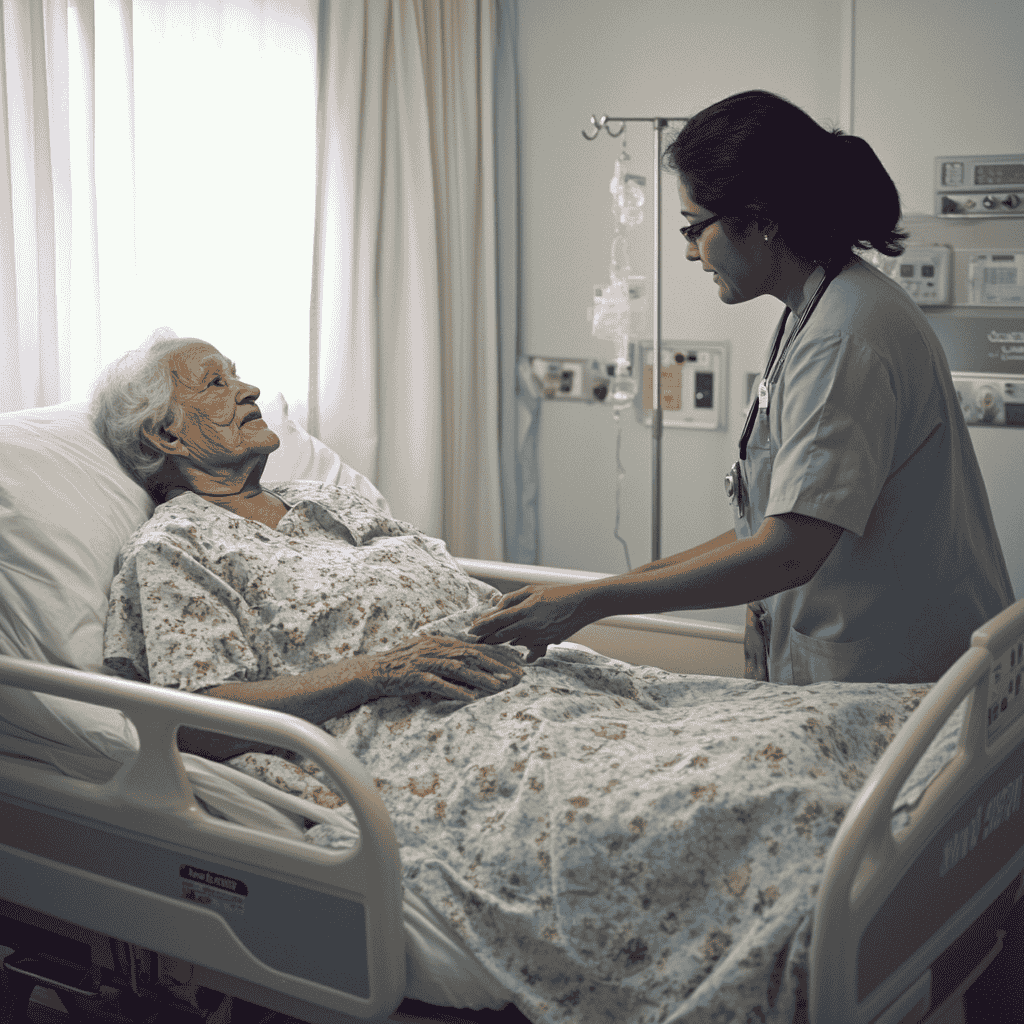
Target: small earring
<point>766,238</point>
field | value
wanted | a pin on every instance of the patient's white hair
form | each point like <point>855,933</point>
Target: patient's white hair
<point>134,392</point>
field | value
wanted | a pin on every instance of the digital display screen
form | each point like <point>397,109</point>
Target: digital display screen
<point>927,270</point>
<point>952,173</point>
<point>999,174</point>
<point>906,270</point>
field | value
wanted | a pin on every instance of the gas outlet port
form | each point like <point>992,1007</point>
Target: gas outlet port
<point>574,380</point>
<point>990,402</point>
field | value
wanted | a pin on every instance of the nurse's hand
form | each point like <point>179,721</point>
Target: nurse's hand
<point>534,617</point>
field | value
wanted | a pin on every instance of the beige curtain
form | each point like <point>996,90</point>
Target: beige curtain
<point>404,351</point>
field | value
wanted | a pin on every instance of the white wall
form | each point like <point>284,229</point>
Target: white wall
<point>937,79</point>
<point>915,92</point>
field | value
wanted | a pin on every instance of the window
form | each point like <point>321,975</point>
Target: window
<point>215,239</point>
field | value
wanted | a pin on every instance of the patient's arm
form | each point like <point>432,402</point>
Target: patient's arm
<point>441,665</point>
<point>316,695</point>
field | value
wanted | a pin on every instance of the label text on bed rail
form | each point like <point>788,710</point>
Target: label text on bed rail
<point>985,821</point>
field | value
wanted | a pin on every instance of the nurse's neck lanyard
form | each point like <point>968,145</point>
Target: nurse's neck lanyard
<point>771,374</point>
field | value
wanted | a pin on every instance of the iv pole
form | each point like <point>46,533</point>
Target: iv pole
<point>659,124</point>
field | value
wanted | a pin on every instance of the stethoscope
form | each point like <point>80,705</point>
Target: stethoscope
<point>734,478</point>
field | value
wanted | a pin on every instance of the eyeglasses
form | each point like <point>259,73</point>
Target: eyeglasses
<point>692,233</point>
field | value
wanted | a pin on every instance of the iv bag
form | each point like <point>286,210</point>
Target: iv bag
<point>619,268</point>
<point>611,310</point>
<point>627,196</point>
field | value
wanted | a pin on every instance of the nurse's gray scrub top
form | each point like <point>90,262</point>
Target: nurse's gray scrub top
<point>864,430</point>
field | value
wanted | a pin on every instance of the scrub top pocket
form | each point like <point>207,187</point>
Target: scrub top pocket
<point>814,659</point>
<point>867,660</point>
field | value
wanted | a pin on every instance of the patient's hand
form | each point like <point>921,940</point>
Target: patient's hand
<point>448,667</point>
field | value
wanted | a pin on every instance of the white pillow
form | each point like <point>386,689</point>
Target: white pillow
<point>302,457</point>
<point>66,509</point>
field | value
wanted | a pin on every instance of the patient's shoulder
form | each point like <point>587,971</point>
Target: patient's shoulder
<point>184,522</point>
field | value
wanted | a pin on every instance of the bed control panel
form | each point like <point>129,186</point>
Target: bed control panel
<point>1005,701</point>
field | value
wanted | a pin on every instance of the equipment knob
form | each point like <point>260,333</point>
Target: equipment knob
<point>991,404</point>
<point>968,408</point>
<point>1011,202</point>
<point>989,202</point>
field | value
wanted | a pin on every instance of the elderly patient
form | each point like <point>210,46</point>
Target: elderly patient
<point>300,599</point>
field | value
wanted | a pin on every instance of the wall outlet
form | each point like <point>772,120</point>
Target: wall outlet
<point>581,380</point>
<point>559,378</point>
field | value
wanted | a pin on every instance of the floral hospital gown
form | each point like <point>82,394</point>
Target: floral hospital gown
<point>611,843</point>
<point>204,596</point>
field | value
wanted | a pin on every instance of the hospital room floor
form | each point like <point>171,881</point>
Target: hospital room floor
<point>1002,1002</point>
<point>996,997</point>
<point>409,1012</point>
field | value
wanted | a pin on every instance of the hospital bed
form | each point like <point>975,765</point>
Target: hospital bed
<point>114,889</point>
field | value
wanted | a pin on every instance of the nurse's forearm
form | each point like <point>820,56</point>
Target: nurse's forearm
<point>730,574</point>
<point>683,556</point>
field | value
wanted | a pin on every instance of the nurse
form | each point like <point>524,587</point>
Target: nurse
<point>863,541</point>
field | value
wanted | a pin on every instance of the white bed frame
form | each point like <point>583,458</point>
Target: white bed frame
<point>82,864</point>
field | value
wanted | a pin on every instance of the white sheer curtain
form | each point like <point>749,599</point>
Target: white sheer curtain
<point>162,157</point>
<point>199,163</point>
<point>35,205</point>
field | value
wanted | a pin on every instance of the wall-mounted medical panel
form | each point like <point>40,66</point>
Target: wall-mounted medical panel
<point>979,186</point>
<point>574,380</point>
<point>986,358</point>
<point>924,272</point>
<point>693,383</point>
<point>994,277</point>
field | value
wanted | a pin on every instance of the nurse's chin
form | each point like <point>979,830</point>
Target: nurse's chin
<point>727,294</point>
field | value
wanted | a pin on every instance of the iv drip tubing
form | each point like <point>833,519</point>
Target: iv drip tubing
<point>659,124</point>
<point>621,473</point>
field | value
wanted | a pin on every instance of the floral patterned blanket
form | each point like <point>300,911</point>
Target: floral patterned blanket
<point>617,843</point>
<point>611,843</point>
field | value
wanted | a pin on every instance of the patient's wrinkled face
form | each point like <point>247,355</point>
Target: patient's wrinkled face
<point>222,425</point>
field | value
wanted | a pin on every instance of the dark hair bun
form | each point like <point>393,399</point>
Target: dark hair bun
<point>757,157</point>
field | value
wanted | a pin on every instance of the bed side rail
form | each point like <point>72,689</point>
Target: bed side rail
<point>901,920</point>
<point>150,798</point>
